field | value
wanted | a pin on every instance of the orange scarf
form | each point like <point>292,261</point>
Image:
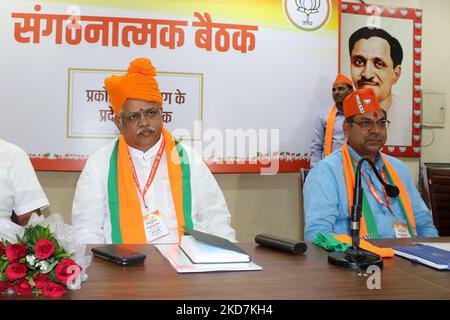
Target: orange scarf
<point>329,131</point>
<point>383,252</point>
<point>349,174</point>
<point>127,222</point>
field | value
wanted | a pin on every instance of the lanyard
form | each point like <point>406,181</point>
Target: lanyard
<point>151,175</point>
<point>374,192</point>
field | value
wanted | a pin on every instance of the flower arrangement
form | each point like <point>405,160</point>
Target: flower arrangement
<point>38,264</point>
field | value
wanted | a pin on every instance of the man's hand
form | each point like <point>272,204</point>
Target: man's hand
<point>23,219</point>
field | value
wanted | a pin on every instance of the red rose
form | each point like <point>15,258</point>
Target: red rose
<point>22,287</point>
<point>41,280</point>
<point>16,271</point>
<point>4,285</point>
<point>54,290</point>
<point>65,269</point>
<point>44,248</point>
<point>2,249</point>
<point>16,251</point>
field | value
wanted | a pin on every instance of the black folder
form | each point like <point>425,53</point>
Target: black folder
<point>213,240</point>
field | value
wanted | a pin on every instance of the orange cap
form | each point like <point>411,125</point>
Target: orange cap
<point>360,101</point>
<point>138,83</point>
<point>343,79</point>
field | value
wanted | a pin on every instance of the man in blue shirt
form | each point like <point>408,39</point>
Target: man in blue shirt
<point>327,133</point>
<point>328,190</point>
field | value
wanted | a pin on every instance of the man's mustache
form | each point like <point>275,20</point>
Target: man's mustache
<point>376,137</point>
<point>144,129</point>
<point>364,80</point>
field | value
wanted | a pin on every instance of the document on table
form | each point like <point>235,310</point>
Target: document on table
<point>430,254</point>
<point>182,264</point>
<point>440,245</point>
<point>204,252</point>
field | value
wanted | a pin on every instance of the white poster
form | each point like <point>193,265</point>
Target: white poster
<point>241,82</point>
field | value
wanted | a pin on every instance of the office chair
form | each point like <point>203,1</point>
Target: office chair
<point>422,186</point>
<point>302,177</point>
<point>439,186</point>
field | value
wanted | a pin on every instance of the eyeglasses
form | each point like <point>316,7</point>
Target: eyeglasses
<point>134,117</point>
<point>366,124</point>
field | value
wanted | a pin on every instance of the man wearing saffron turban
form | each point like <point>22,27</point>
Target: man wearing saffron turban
<point>328,191</point>
<point>145,186</point>
<point>328,135</point>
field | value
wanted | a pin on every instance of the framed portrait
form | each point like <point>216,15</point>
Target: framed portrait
<point>380,48</point>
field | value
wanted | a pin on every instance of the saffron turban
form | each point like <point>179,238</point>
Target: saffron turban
<point>360,101</point>
<point>343,79</point>
<point>138,83</point>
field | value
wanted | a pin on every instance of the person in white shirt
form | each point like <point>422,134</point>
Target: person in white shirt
<point>20,191</point>
<point>145,186</point>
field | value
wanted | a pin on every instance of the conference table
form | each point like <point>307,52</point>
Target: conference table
<point>284,277</point>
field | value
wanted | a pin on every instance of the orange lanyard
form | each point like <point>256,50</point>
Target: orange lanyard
<point>152,173</point>
<point>374,192</point>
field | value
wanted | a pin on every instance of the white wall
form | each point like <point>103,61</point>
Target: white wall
<point>270,204</point>
<point>436,71</point>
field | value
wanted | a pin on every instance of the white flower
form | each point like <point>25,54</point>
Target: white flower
<point>43,265</point>
<point>31,259</point>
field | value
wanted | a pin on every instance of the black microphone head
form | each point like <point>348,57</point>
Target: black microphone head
<point>392,191</point>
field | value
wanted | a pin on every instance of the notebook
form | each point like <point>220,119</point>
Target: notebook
<point>428,255</point>
<point>182,264</point>
<point>202,247</point>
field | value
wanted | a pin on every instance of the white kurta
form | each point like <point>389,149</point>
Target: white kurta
<point>90,212</point>
<point>20,190</point>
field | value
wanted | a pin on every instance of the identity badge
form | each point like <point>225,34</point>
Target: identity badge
<point>155,227</point>
<point>401,230</point>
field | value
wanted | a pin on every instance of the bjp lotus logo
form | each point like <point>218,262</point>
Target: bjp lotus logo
<point>308,7</point>
<point>308,15</point>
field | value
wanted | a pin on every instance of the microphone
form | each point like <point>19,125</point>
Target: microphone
<point>391,190</point>
<point>279,243</point>
<point>356,258</point>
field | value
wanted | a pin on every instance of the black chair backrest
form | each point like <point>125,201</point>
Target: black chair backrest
<point>302,178</point>
<point>439,186</point>
<point>303,173</point>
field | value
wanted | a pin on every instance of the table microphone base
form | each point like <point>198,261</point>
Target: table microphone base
<point>358,259</point>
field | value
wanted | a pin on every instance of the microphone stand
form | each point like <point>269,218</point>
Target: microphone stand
<point>354,257</point>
